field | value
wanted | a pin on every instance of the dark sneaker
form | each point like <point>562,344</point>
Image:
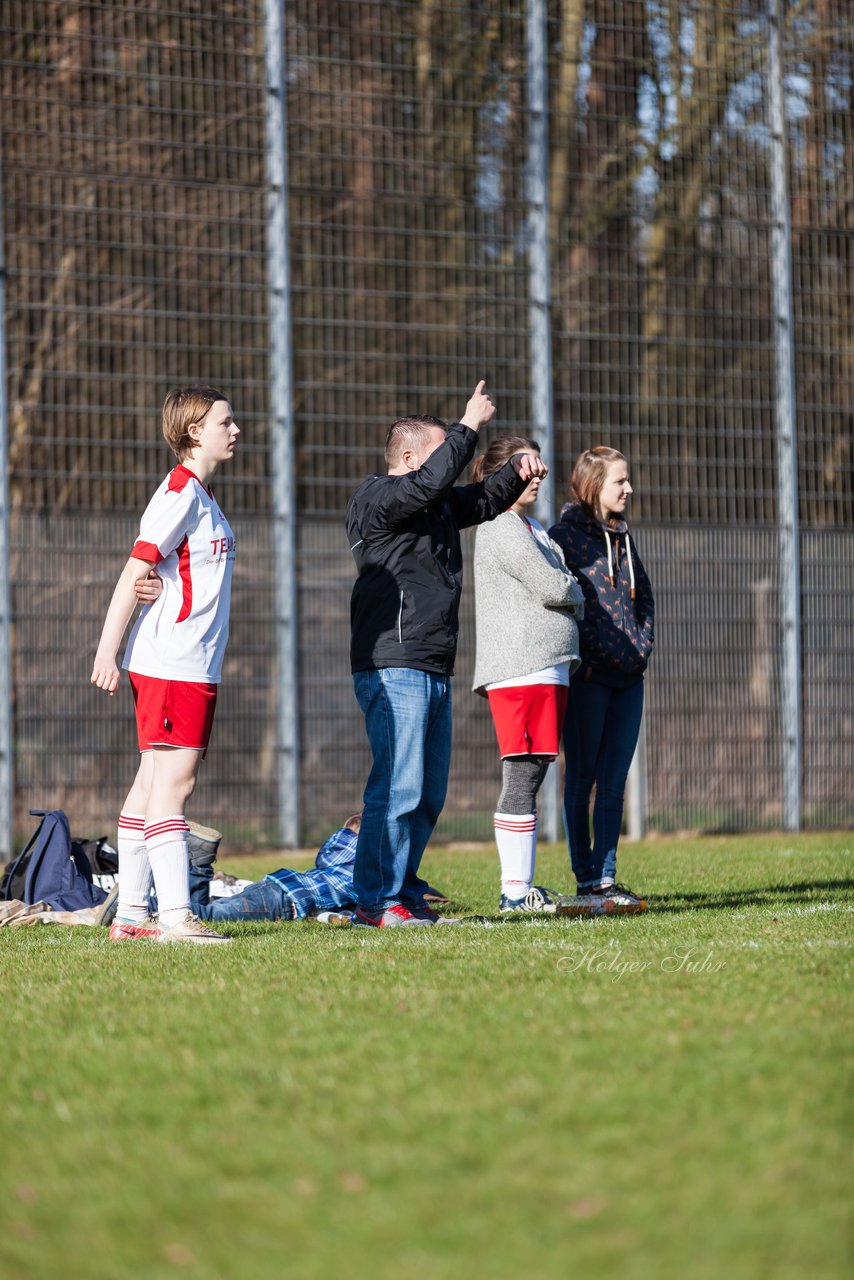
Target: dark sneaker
<point>615,899</point>
<point>202,844</point>
<point>394,917</point>
<point>106,913</point>
<point>536,902</point>
<point>435,895</point>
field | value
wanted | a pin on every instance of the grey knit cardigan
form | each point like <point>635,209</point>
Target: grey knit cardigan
<point>526,603</point>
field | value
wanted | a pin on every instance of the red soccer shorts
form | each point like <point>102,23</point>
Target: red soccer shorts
<point>528,718</point>
<point>172,713</point>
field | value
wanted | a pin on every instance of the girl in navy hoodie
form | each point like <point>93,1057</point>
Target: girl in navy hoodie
<point>606,692</point>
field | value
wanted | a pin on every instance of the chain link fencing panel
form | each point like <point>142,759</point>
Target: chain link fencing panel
<point>134,197</point>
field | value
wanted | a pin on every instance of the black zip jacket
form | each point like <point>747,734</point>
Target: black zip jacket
<point>405,537</point>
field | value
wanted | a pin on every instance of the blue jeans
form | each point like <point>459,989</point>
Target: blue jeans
<point>599,738</point>
<point>408,722</point>
<point>265,900</point>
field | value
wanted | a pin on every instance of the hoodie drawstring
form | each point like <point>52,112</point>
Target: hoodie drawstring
<point>610,562</point>
<point>611,566</point>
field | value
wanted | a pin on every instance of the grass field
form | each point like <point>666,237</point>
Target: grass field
<point>659,1096</point>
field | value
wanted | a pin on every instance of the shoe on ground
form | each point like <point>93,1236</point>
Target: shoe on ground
<point>432,917</point>
<point>190,929</point>
<point>394,917</point>
<point>536,902</point>
<point>621,899</point>
<point>432,894</point>
<point>106,913</point>
<point>135,930</point>
<point>202,844</point>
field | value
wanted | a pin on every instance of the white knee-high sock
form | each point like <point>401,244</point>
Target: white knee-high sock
<point>516,837</point>
<point>134,868</point>
<point>166,841</point>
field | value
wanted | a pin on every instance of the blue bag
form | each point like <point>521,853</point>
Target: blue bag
<point>49,870</point>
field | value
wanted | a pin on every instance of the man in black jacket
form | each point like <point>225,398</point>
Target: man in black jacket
<point>404,532</point>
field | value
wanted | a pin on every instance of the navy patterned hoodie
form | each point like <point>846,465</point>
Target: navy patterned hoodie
<point>617,631</point>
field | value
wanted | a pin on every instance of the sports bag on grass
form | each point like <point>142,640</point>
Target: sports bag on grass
<point>50,869</point>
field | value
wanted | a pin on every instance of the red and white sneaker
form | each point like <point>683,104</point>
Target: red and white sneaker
<point>134,930</point>
<point>394,917</point>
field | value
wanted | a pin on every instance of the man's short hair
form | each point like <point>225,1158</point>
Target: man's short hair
<point>409,433</point>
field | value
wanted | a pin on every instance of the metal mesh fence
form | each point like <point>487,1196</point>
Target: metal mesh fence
<point>134,205</point>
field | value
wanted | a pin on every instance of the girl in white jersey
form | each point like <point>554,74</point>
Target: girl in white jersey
<point>526,606</point>
<point>174,662</point>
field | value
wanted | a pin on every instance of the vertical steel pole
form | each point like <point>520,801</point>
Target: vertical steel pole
<point>539,275</point>
<point>636,790</point>
<point>282,415</point>
<point>539,283</point>
<point>785,434</point>
<point>6,723</point>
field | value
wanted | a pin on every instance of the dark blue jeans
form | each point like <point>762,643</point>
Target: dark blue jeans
<point>408,721</point>
<point>599,739</point>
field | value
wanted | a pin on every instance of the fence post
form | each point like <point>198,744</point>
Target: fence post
<point>637,807</point>
<point>785,435</point>
<point>542,405</point>
<point>282,424</point>
<point>7,811</point>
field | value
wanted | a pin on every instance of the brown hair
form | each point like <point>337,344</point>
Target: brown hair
<point>501,450</point>
<point>184,408</point>
<point>409,433</point>
<point>354,823</point>
<point>588,477</point>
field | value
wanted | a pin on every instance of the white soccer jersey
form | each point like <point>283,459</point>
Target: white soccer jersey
<point>182,636</point>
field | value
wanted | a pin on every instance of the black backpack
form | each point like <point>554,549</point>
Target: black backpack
<point>52,868</point>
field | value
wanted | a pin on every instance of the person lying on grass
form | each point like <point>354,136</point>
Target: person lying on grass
<point>284,894</point>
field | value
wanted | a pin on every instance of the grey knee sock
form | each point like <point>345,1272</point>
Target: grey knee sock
<point>522,777</point>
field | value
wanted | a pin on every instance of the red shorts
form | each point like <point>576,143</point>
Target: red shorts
<point>172,713</point>
<point>528,718</point>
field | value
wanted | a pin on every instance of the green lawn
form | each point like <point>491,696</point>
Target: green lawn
<point>659,1096</point>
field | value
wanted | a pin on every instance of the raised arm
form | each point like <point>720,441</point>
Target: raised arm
<point>105,672</point>
<point>475,503</point>
<point>419,485</point>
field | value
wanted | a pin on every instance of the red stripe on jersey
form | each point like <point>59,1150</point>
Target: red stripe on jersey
<point>146,551</point>
<point>183,550</point>
<point>180,477</point>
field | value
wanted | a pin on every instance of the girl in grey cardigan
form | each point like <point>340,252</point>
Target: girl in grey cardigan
<point>526,606</point>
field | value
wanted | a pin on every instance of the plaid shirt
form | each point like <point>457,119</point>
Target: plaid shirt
<point>329,884</point>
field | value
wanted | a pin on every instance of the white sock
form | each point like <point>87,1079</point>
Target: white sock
<point>134,868</point>
<point>516,837</point>
<point>166,841</point>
